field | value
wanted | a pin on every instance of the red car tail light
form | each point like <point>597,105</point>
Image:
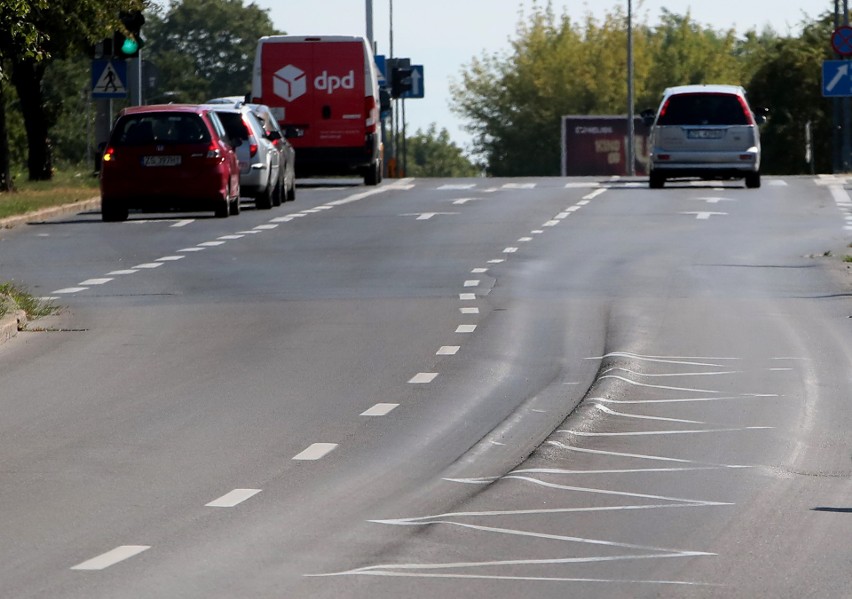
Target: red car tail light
<point>109,155</point>
<point>213,152</point>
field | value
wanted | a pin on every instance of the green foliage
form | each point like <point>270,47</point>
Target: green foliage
<point>205,48</point>
<point>13,297</point>
<point>433,154</point>
<point>514,101</point>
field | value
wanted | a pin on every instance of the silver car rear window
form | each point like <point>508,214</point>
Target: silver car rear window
<point>703,109</point>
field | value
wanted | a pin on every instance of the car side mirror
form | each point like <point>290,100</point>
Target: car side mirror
<point>648,115</point>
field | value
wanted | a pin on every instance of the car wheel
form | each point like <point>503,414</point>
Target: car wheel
<point>223,206</point>
<point>277,194</point>
<point>234,206</point>
<point>112,211</point>
<point>291,191</point>
<point>656,180</point>
<point>752,180</point>
<point>373,175</point>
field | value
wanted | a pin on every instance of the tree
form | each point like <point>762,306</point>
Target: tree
<point>433,154</point>
<point>54,29</point>
<point>205,48</point>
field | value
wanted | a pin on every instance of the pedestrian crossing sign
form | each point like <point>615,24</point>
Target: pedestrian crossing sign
<point>109,79</point>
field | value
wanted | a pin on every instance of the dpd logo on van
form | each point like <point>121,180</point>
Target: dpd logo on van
<point>291,82</point>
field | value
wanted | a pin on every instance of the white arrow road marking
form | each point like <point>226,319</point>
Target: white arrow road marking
<point>706,215</point>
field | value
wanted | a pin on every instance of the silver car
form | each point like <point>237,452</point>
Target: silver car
<point>704,131</point>
<point>259,158</point>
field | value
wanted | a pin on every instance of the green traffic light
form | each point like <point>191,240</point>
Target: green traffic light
<point>129,47</point>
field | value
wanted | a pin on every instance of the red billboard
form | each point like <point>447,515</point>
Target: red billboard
<point>597,146</point>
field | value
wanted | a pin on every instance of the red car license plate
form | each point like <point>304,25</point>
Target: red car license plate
<point>161,160</point>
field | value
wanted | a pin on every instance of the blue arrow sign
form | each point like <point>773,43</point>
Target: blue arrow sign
<point>417,85</point>
<point>836,78</point>
<point>381,63</point>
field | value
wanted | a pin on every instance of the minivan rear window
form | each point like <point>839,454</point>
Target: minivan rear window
<point>703,109</point>
<point>161,128</point>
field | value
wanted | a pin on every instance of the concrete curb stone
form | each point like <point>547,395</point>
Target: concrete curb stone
<point>47,213</point>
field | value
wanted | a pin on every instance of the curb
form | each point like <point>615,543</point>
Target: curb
<point>46,213</point>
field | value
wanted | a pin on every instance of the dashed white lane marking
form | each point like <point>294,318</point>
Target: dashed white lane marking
<point>713,200</point>
<point>478,271</point>
<point>111,558</point>
<point>469,310</point>
<point>525,239</point>
<point>170,258</point>
<point>466,328</point>
<point>230,237</point>
<point>210,244</point>
<point>148,265</point>
<point>777,183</point>
<point>380,409</point>
<point>551,223</point>
<point>467,297</point>
<point>95,281</point>
<point>423,378</point>
<point>456,186</point>
<point>496,261</point>
<point>251,232</point>
<point>572,209</point>
<point>562,215</point>
<point>584,202</point>
<point>582,185</point>
<point>471,283</point>
<point>316,451</point>
<point>266,227</point>
<point>68,290</point>
<point>234,498</point>
<point>705,215</point>
<point>537,232</point>
<point>195,249</point>
<point>126,271</point>
<point>448,350</point>
<point>594,194</point>
<point>519,186</point>
<point>510,250</point>
<point>463,201</point>
<point>183,223</point>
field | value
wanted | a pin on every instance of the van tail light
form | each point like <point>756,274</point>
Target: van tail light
<point>748,115</point>
<point>109,154</point>
<point>663,110</point>
<point>371,111</point>
<point>252,141</point>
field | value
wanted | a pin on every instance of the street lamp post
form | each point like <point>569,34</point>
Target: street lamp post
<point>631,150</point>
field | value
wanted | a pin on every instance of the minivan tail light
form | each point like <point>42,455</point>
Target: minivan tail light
<point>746,111</point>
<point>371,111</point>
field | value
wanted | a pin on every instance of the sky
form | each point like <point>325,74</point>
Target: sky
<point>444,35</point>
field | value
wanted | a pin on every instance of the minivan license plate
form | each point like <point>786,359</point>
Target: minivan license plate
<point>161,160</point>
<point>705,133</point>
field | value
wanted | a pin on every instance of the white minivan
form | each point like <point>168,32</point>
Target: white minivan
<point>704,131</point>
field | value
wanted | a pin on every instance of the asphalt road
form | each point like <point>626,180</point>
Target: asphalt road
<point>461,388</point>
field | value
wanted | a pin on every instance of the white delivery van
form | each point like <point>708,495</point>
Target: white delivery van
<point>324,92</point>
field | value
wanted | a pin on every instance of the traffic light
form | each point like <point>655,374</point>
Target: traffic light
<point>400,81</point>
<point>128,46</point>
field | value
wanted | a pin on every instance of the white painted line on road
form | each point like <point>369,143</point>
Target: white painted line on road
<point>423,378</point>
<point>510,250</point>
<point>68,290</point>
<point>594,194</point>
<point>669,374</point>
<point>572,209</point>
<point>95,282</point>
<point>282,219</point>
<point>467,297</point>
<point>265,227</point>
<point>323,207</point>
<point>777,183</point>
<point>234,498</point>
<point>581,185</point>
<point>463,201</point>
<point>479,271</point>
<point>773,369</point>
<point>380,409</point>
<point>448,350</point>
<point>252,232</point>
<point>127,271</point>
<point>230,237</point>
<point>195,249</point>
<point>680,399</point>
<point>466,328</point>
<point>537,232</point>
<point>519,186</point>
<point>183,223</point>
<point>677,432</point>
<point>170,258</point>
<point>469,310</point>
<point>48,298</point>
<point>211,244</point>
<point>456,186</point>
<point>686,360</point>
<point>607,410</point>
<point>684,389</point>
<point>313,210</point>
<point>584,202</point>
<point>471,283</point>
<point>110,558</point>
<point>316,451</point>
<point>497,261</point>
<point>551,223</point>
<point>148,265</point>
<point>525,239</point>
<point>705,215</point>
<point>562,216</point>
<point>637,455</point>
<point>713,200</point>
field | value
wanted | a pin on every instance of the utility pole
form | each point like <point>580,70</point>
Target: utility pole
<point>631,133</point>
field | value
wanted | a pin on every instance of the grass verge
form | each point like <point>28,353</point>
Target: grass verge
<point>67,186</point>
<point>14,298</point>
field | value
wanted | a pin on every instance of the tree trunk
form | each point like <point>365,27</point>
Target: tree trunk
<point>5,172</point>
<point>27,77</point>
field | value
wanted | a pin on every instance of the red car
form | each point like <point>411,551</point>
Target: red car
<point>166,157</point>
